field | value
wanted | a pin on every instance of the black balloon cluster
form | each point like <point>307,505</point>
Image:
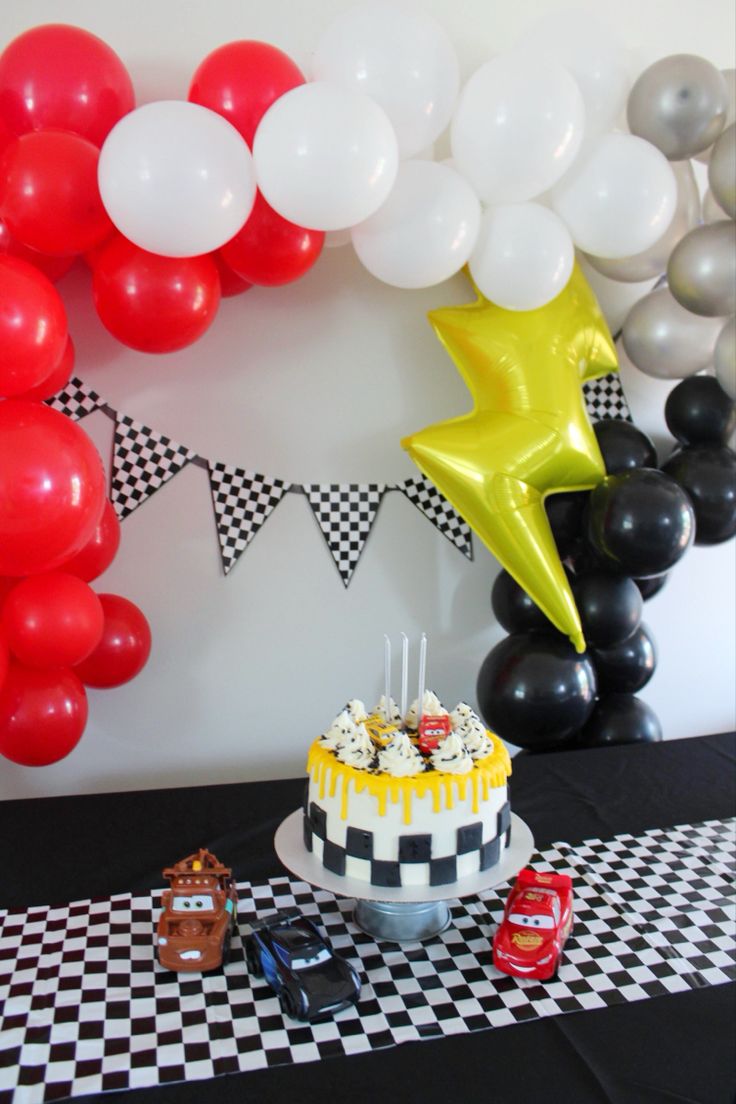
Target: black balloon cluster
<point>617,543</point>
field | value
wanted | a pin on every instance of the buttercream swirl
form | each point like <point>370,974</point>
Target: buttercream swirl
<point>400,758</point>
<point>477,742</point>
<point>450,756</point>
<point>337,734</point>
<point>358,750</point>
<point>394,711</point>
<point>431,707</point>
<point>357,710</point>
<point>462,715</point>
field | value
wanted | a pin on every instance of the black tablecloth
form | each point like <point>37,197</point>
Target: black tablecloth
<point>671,1048</point>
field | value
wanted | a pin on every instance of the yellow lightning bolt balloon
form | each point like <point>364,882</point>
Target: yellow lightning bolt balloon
<point>528,435</point>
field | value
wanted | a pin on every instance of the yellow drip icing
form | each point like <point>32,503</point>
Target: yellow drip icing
<point>487,773</point>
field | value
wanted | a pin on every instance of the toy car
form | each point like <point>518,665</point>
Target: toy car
<point>431,731</point>
<point>537,921</point>
<point>299,963</point>
<point>199,914</point>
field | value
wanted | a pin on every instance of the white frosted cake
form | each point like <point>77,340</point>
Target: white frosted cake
<point>394,803</point>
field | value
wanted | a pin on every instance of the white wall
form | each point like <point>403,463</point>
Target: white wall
<point>316,382</point>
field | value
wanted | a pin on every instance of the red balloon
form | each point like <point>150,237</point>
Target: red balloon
<point>6,135</point>
<point>49,195</point>
<point>241,80</point>
<point>61,76</point>
<point>42,715</point>
<point>58,379</point>
<point>4,654</point>
<point>230,283</point>
<point>53,267</point>
<point>33,329</point>
<point>125,646</point>
<point>151,303</point>
<point>271,251</point>
<point>6,585</point>
<point>52,488</point>
<point>52,620</point>
<point>100,551</point>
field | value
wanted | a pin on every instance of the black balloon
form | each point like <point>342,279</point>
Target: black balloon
<point>708,474</point>
<point>699,412</point>
<point>640,522</point>
<point>535,691</point>
<point>610,607</point>
<point>566,514</point>
<point>514,609</point>
<point>623,446</point>
<point>620,719</point>
<point>626,667</point>
<point>651,586</point>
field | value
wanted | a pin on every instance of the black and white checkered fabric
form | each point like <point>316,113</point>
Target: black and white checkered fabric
<point>604,398</point>
<point>76,400</point>
<point>345,514</point>
<point>438,510</point>
<point>142,461</point>
<point>85,1007</point>
<point>243,500</point>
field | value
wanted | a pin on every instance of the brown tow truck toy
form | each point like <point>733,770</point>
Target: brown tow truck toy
<point>199,914</point>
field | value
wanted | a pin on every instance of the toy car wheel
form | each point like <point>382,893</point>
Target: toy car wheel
<point>252,959</point>
<point>226,946</point>
<point>288,1004</point>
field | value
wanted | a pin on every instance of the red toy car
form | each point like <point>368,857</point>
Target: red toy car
<point>431,731</point>
<point>536,922</point>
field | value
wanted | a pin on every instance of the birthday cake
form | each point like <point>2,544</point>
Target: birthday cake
<point>413,800</point>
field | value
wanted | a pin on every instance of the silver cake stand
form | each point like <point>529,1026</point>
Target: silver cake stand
<point>407,913</point>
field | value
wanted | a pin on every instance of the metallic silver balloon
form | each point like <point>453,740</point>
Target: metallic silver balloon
<point>729,75</point>
<point>679,104</point>
<point>724,358</point>
<point>652,262</point>
<point>711,211</point>
<point>664,340</point>
<point>702,270</point>
<point>722,171</point>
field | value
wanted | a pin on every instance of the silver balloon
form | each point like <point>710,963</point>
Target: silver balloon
<point>702,270</point>
<point>711,211</point>
<point>679,104</point>
<point>664,340</point>
<point>724,358</point>
<point>729,75</point>
<point>653,261</point>
<point>722,171</point>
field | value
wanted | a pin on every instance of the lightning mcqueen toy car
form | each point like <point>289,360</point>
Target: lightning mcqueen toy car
<point>537,921</point>
<point>299,963</point>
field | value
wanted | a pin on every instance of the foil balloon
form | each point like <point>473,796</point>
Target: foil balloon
<point>528,435</point>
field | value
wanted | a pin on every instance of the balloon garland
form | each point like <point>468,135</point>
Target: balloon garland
<point>177,203</point>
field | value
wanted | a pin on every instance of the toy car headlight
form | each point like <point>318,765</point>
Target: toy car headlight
<point>162,941</point>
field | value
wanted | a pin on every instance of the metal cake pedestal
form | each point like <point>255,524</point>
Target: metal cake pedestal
<point>408,913</point>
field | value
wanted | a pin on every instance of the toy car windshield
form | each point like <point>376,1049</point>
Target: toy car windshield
<point>302,960</point>
<point>195,902</point>
<point>533,920</point>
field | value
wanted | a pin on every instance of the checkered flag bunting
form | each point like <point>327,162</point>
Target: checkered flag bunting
<point>143,460</point>
<point>345,514</point>
<point>76,400</point>
<point>604,398</point>
<point>438,510</point>
<point>85,1007</point>
<point>243,501</point>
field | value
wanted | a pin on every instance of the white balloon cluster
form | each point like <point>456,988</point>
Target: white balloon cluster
<point>537,169</point>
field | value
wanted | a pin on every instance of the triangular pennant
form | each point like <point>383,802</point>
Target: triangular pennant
<point>76,400</point>
<point>345,513</point>
<point>438,510</point>
<point>243,500</point>
<point>143,460</point>
<point>604,398</point>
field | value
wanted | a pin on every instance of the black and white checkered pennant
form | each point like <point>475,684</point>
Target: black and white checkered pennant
<point>443,516</point>
<point>143,460</point>
<point>345,514</point>
<point>76,400</point>
<point>243,500</point>
<point>604,398</point>
<point>85,1006</point>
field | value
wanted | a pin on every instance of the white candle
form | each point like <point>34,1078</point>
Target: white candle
<point>404,675</point>
<point>387,677</point>
<point>422,675</point>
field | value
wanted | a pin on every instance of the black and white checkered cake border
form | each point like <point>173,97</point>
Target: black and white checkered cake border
<point>86,1007</point>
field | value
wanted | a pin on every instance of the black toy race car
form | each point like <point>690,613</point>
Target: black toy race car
<point>298,962</point>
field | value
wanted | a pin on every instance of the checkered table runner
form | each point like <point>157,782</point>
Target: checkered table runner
<point>85,1007</point>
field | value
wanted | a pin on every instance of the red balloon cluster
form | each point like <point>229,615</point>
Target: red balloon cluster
<point>61,91</point>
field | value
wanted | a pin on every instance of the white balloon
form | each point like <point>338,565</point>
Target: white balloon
<point>176,178</point>
<point>524,256</point>
<point>517,127</point>
<point>336,239</point>
<point>619,198</point>
<point>594,55</point>
<point>402,59</point>
<point>426,229</point>
<point>326,157</point>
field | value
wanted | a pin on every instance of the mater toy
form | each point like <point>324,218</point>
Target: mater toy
<point>199,914</point>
